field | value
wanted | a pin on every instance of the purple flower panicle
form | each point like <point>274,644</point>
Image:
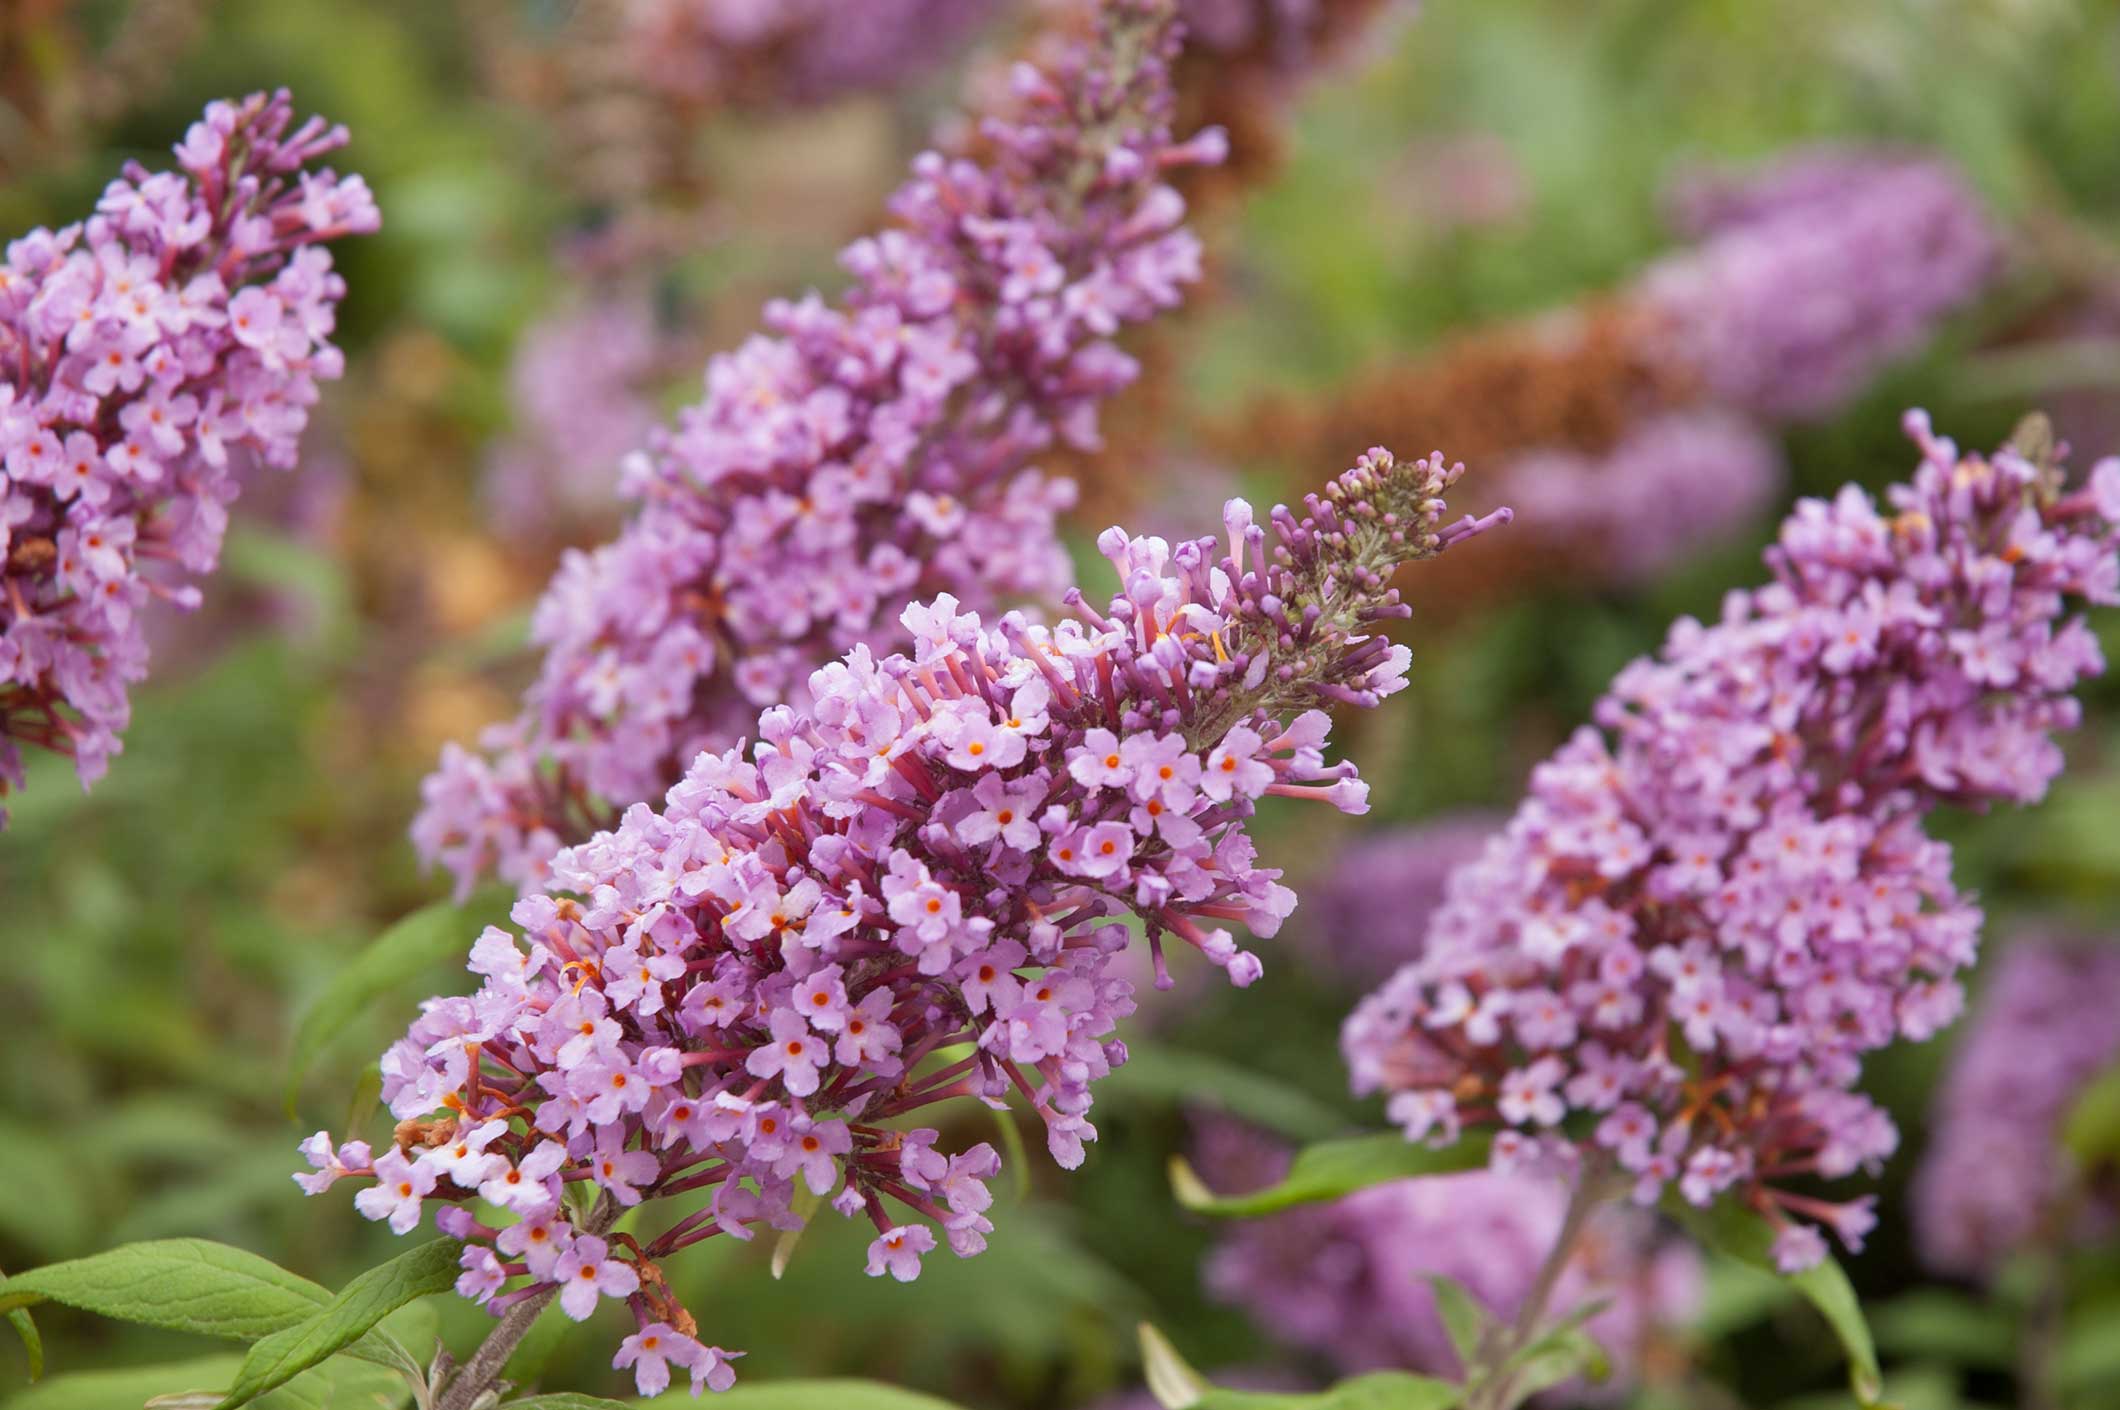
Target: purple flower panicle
<point>908,894</point>
<point>858,455</point>
<point>1994,1180</point>
<point>1816,273</point>
<point>1707,911</point>
<point>148,355</point>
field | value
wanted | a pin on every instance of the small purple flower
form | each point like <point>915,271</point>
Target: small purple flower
<point>400,1186</point>
<point>483,1275</point>
<point>585,1273</point>
<point>897,1251</point>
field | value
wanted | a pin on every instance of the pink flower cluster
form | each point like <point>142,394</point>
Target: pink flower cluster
<point>1691,931</point>
<point>1994,1180</point>
<point>862,455</point>
<point>1817,272</point>
<point>907,895</point>
<point>1349,1279</point>
<point>150,354</point>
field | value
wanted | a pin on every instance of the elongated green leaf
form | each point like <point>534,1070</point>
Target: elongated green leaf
<point>803,1206</point>
<point>1330,1169</point>
<point>1168,1075</point>
<point>1549,1368</point>
<point>187,1385</point>
<point>1463,1317</point>
<point>1747,1237</point>
<point>417,1273</point>
<point>1385,1390</point>
<point>183,1285</point>
<point>1171,1378</point>
<point>421,940</point>
<point>567,1400</point>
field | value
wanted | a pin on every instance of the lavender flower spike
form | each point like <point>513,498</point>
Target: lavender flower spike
<point>1698,923</point>
<point>150,355</point>
<point>861,455</point>
<point>906,895</point>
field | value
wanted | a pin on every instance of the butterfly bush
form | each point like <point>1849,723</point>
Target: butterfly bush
<point>1706,912</point>
<point>1675,481</point>
<point>791,51</point>
<point>1349,1279</point>
<point>1994,1179</point>
<point>1816,273</point>
<point>151,353</point>
<point>856,456</point>
<point>909,893</point>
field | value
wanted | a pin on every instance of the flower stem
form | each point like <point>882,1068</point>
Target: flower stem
<point>1488,1385</point>
<point>478,1375</point>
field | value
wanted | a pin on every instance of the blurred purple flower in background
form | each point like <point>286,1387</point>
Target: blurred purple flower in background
<point>1816,272</point>
<point>1679,481</point>
<point>795,51</point>
<point>581,385</point>
<point>1994,1179</point>
<point>1365,917</point>
<point>1349,1279</point>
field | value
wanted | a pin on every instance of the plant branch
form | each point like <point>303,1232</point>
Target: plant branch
<point>478,1375</point>
<point>1489,1380</point>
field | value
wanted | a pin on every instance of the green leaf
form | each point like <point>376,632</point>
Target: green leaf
<point>1171,1378</point>
<point>1385,1390</point>
<point>567,1400</point>
<point>803,1206</point>
<point>1168,1075</point>
<point>346,1385</point>
<point>2091,1132</point>
<point>1549,1368</point>
<point>1330,1169</point>
<point>1747,1237</point>
<point>417,1273</point>
<point>1566,1334</point>
<point>416,943</point>
<point>1463,1317</point>
<point>182,1285</point>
